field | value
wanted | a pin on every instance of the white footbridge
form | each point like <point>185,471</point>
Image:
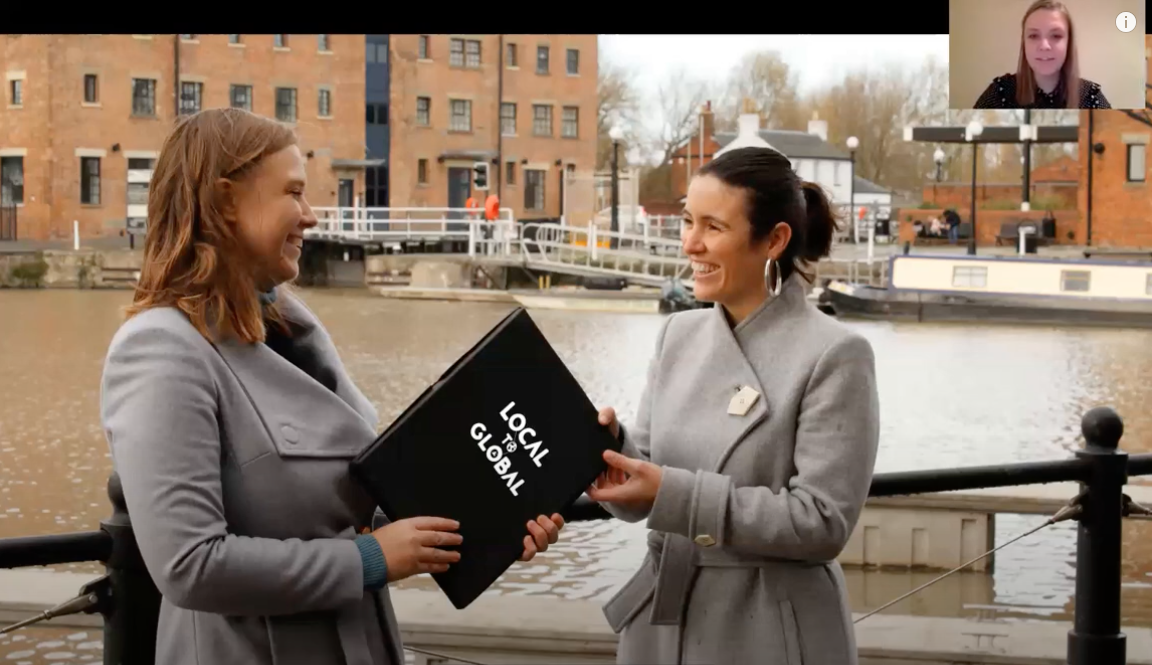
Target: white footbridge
<point>646,253</point>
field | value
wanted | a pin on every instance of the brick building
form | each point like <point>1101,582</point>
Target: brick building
<point>84,116</point>
<point>525,104</point>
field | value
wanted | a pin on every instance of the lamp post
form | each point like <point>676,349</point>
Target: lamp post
<point>937,157</point>
<point>852,144</point>
<point>975,129</point>
<point>615,133</point>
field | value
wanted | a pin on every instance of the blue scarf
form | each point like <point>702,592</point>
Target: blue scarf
<point>267,297</point>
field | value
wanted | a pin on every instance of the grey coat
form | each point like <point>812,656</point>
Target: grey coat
<point>234,464</point>
<point>753,509</point>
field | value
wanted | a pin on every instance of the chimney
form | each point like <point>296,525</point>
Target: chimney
<point>747,131</point>
<point>707,124</point>
<point>818,127</point>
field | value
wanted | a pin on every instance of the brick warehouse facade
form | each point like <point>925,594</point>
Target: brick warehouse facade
<point>103,103</point>
<point>448,111</point>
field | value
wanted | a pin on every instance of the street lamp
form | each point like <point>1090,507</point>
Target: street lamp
<point>616,134</point>
<point>937,157</point>
<point>852,144</point>
<point>974,130</point>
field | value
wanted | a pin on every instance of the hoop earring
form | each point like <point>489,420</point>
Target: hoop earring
<point>774,286</point>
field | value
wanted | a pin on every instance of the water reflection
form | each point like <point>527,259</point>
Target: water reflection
<point>951,395</point>
<point>51,646</point>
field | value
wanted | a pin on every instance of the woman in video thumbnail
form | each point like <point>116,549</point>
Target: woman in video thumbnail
<point>753,446</point>
<point>1048,74</point>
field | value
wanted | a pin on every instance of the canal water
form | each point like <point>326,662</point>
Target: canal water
<point>951,395</point>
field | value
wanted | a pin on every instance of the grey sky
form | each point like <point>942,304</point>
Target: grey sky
<point>818,59</point>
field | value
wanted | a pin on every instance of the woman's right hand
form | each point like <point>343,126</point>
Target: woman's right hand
<point>411,546</point>
<point>611,476</point>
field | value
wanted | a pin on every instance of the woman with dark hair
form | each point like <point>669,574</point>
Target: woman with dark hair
<point>754,442</point>
<point>1048,72</point>
<point>232,421</point>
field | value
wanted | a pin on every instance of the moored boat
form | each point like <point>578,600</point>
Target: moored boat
<point>1004,289</point>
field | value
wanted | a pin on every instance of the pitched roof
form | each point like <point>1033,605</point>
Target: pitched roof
<point>794,144</point>
<point>868,187</point>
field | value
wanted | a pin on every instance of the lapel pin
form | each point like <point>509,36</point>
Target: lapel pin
<point>743,401</point>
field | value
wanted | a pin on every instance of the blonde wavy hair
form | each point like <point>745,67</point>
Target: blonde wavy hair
<point>193,259</point>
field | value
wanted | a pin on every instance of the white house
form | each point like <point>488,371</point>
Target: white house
<point>815,160</point>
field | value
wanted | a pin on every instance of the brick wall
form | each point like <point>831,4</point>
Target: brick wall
<point>1121,214</point>
<point>959,195</point>
<point>55,123</point>
<point>436,78</point>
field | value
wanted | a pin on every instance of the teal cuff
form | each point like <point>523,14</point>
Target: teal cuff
<point>372,557</point>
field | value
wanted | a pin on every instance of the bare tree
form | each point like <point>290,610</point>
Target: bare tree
<point>678,100</point>
<point>619,103</point>
<point>769,82</point>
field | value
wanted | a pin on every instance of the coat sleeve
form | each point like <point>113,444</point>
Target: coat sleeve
<point>159,410</point>
<point>837,437</point>
<point>637,438</point>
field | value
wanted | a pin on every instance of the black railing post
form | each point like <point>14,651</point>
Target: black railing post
<point>130,625</point>
<point>1095,638</point>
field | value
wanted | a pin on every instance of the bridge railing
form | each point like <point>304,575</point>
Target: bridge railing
<point>398,224</point>
<point>129,601</point>
<point>611,252</point>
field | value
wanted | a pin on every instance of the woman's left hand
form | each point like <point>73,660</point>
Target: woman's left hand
<point>544,531</point>
<point>641,481</point>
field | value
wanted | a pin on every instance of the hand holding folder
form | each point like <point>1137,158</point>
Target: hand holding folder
<point>506,435</point>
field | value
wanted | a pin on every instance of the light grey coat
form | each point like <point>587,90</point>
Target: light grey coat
<point>234,464</point>
<point>753,509</point>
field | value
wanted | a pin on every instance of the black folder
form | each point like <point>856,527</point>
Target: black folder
<point>506,434</point>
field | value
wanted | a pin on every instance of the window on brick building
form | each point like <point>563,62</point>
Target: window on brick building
<point>376,53</point>
<point>280,41</point>
<point>323,43</point>
<point>542,56</point>
<point>573,62</point>
<point>460,119</point>
<point>1079,281</point>
<point>464,53</point>
<point>422,171</point>
<point>11,180</point>
<point>510,55</point>
<point>240,97</point>
<point>188,38</point>
<point>424,111</point>
<point>533,189</point>
<point>144,97</point>
<point>377,114</point>
<point>472,53</point>
<point>91,89</point>
<point>286,104</point>
<point>16,92</point>
<point>541,120</point>
<point>324,102</point>
<point>90,180</point>
<point>191,97</point>
<point>510,173</point>
<point>508,118</point>
<point>1137,167</point>
<point>234,39</point>
<point>424,51</point>
<point>376,187</point>
<point>456,52</point>
<point>570,122</point>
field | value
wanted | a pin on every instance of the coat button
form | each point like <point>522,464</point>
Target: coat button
<point>290,434</point>
<point>704,540</point>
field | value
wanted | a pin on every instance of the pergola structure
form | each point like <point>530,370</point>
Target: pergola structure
<point>1026,133</point>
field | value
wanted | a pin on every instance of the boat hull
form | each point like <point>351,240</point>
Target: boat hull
<point>882,304</point>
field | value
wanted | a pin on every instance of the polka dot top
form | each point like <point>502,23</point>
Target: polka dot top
<point>1001,94</point>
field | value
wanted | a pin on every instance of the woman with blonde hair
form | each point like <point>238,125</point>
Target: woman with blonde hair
<point>1048,71</point>
<point>232,419</point>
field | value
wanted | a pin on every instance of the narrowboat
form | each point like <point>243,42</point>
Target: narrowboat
<point>1048,291</point>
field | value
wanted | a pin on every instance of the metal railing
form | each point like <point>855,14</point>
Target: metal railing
<point>129,601</point>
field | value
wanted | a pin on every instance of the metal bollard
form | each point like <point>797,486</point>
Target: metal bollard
<point>1095,638</point>
<point>130,624</point>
